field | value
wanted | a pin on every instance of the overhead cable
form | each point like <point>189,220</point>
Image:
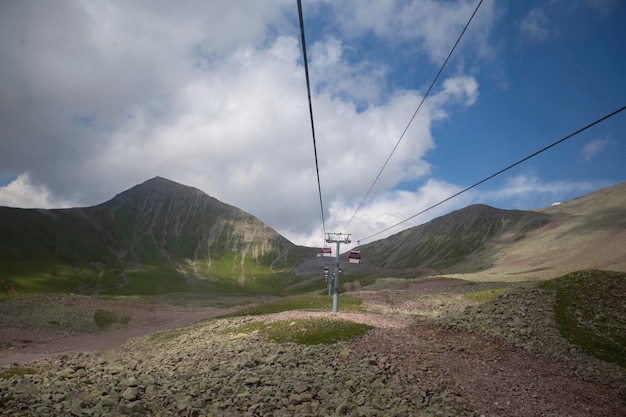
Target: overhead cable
<point>501,171</point>
<point>308,89</point>
<point>415,113</point>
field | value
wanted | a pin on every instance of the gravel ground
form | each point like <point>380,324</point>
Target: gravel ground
<point>504,357</point>
<point>433,352</point>
<point>202,370</point>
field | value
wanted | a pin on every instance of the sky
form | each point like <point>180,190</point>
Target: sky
<point>96,97</point>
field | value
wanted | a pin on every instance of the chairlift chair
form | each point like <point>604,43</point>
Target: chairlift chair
<point>326,273</point>
<point>327,252</point>
<point>354,256</point>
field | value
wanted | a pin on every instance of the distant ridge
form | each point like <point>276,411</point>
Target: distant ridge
<point>162,237</point>
<point>449,240</point>
<point>588,232</point>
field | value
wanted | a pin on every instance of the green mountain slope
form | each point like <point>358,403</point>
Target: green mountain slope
<point>447,242</point>
<point>588,232</point>
<point>156,237</point>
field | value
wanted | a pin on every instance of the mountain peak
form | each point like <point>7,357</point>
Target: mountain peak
<point>163,184</point>
<point>158,187</point>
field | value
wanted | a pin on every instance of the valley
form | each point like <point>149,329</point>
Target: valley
<point>164,301</point>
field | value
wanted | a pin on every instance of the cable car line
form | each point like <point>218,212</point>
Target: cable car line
<point>432,84</point>
<point>308,89</point>
<point>613,113</point>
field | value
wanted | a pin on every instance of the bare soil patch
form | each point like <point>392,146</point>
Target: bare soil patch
<point>21,343</point>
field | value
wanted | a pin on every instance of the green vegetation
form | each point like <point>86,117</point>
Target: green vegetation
<point>199,300</point>
<point>7,372</point>
<point>150,280</point>
<point>302,302</point>
<point>307,331</point>
<point>445,242</point>
<point>166,335</point>
<point>590,310</point>
<point>157,238</point>
<point>107,319</point>
<point>486,295</point>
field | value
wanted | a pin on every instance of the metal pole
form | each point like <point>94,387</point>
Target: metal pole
<point>336,291</point>
<point>329,278</point>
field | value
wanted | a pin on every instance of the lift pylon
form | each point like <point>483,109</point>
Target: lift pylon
<point>337,238</point>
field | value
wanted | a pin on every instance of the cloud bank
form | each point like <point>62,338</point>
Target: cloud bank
<point>96,97</point>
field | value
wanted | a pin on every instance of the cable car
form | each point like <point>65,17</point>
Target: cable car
<point>354,256</point>
<point>327,252</point>
<point>326,273</point>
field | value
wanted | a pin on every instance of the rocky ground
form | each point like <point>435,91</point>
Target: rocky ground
<point>40,327</point>
<point>433,352</point>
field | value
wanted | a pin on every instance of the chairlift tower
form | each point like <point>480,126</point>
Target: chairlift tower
<point>337,238</point>
<point>328,278</point>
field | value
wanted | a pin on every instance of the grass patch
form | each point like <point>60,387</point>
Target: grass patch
<point>108,319</point>
<point>307,331</point>
<point>590,310</point>
<point>486,295</point>
<point>302,302</point>
<point>7,372</point>
<point>166,335</point>
<point>138,298</point>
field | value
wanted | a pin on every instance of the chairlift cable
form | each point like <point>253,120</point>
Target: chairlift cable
<point>432,84</point>
<point>582,129</point>
<point>308,88</point>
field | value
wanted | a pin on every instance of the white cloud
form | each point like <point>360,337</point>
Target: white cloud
<point>364,81</point>
<point>433,25</point>
<point>530,189</point>
<point>389,208</point>
<point>594,147</point>
<point>463,89</point>
<point>106,95</point>
<point>22,193</point>
<point>536,26</point>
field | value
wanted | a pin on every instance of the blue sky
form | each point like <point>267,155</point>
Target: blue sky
<point>98,97</point>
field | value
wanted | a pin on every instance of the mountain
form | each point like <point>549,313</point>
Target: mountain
<point>449,240</point>
<point>157,237</point>
<point>163,237</point>
<point>585,233</point>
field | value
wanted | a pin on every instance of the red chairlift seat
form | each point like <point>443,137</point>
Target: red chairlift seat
<point>354,256</point>
<point>326,273</point>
